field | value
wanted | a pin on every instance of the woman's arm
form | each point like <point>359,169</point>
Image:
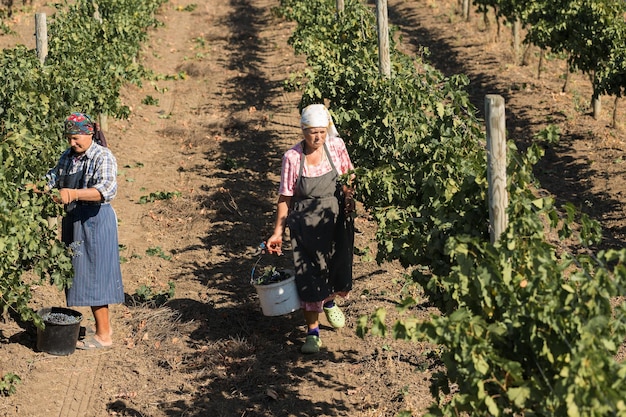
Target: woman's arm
<point>105,177</point>
<point>275,242</point>
<point>84,194</point>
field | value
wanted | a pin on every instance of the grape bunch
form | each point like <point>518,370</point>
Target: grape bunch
<point>272,275</point>
<point>60,318</point>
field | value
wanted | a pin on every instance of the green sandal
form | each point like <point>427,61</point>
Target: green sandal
<point>335,317</point>
<point>311,345</point>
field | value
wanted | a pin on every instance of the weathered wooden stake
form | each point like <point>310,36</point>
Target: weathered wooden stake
<point>41,37</point>
<point>496,161</point>
<point>103,122</point>
<point>384,62</point>
<point>96,13</point>
<point>596,105</point>
<point>466,10</point>
<point>340,6</point>
<point>41,45</point>
<point>517,39</point>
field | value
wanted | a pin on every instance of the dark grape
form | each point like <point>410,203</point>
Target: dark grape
<point>60,318</point>
<point>271,276</point>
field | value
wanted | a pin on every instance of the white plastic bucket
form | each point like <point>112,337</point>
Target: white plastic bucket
<point>279,298</point>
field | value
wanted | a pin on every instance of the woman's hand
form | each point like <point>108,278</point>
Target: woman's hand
<point>275,244</point>
<point>66,196</point>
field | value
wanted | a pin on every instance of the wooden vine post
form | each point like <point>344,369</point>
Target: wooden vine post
<point>41,37</point>
<point>466,10</point>
<point>41,45</point>
<point>496,162</point>
<point>384,62</point>
<point>517,39</point>
<point>340,6</point>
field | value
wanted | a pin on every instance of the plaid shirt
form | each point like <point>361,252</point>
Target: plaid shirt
<point>291,164</point>
<point>99,170</point>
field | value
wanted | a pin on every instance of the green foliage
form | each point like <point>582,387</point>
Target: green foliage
<point>533,331</point>
<point>4,28</point>
<point>150,101</point>
<point>89,59</point>
<point>550,135</point>
<point>157,251</point>
<point>525,327</point>
<point>592,34</point>
<point>415,129</point>
<point>159,195</point>
<point>147,295</point>
<point>230,164</point>
<point>188,8</point>
<point>8,384</point>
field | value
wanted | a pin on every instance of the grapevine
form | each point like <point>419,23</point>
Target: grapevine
<point>88,62</point>
<point>526,327</point>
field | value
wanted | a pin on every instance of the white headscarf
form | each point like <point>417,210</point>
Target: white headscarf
<point>317,115</point>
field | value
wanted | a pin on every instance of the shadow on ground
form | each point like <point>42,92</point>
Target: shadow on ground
<point>251,364</point>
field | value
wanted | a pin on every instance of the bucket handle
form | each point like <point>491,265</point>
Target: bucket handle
<point>261,251</point>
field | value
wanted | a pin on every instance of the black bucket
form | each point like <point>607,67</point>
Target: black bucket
<point>60,335</point>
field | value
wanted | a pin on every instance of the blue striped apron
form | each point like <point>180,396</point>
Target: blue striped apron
<point>90,230</point>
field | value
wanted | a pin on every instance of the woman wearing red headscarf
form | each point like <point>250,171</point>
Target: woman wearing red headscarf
<point>86,177</point>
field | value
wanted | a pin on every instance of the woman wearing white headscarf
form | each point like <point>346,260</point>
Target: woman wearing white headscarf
<point>316,207</point>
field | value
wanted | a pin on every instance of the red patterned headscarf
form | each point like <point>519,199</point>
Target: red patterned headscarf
<point>79,124</point>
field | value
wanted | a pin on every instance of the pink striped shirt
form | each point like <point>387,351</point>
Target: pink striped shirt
<point>291,164</point>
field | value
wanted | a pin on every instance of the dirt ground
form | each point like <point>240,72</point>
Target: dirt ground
<point>216,140</point>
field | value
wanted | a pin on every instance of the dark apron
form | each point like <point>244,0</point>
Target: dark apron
<point>322,236</point>
<point>72,181</point>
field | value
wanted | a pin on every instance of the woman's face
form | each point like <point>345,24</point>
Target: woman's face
<point>315,136</point>
<point>79,143</point>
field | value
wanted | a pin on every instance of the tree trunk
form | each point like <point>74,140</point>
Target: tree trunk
<point>526,54</point>
<point>542,54</point>
<point>567,72</point>
<point>597,106</point>
<point>499,28</point>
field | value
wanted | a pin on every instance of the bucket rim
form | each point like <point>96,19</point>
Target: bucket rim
<point>64,310</point>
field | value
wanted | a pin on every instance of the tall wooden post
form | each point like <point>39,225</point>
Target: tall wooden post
<point>384,62</point>
<point>41,37</point>
<point>340,6</point>
<point>96,12</point>
<point>103,122</point>
<point>466,10</point>
<point>517,39</point>
<point>496,161</point>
